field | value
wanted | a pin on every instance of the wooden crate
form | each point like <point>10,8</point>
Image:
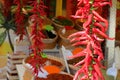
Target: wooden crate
<point>13,60</point>
<point>12,77</point>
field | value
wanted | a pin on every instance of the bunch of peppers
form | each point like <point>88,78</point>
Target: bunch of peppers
<point>36,17</point>
<point>20,18</point>
<point>36,34</point>
<point>94,25</point>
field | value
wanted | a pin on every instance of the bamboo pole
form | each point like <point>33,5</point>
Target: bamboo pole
<point>110,44</point>
<point>58,7</point>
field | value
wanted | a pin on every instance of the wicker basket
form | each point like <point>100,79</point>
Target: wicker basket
<point>47,21</point>
<point>73,69</point>
<point>79,24</point>
<point>64,73</point>
<point>50,43</point>
<point>49,57</point>
<point>58,26</point>
<point>59,60</point>
<point>63,38</point>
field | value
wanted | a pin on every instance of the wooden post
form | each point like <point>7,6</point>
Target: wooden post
<point>58,7</point>
<point>110,44</point>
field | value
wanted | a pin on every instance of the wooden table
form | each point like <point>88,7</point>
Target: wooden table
<point>23,73</point>
<point>26,75</point>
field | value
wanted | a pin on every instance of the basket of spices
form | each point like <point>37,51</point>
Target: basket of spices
<point>56,76</point>
<point>50,36</point>
<point>53,73</point>
<point>61,21</point>
<point>63,34</point>
<point>50,39</point>
<point>49,60</point>
<point>79,24</point>
<point>73,61</point>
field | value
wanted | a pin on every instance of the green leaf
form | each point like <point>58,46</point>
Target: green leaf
<point>48,27</point>
<point>13,28</point>
<point>44,55</point>
<point>92,8</point>
<point>37,66</point>
<point>2,20</point>
<point>91,1</point>
<point>32,55</point>
<point>2,37</point>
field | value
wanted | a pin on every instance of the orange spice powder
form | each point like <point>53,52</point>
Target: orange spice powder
<point>52,69</point>
<point>77,50</point>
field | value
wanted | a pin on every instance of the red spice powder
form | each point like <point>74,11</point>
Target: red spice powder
<point>56,76</point>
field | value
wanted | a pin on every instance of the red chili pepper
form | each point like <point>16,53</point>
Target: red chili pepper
<point>95,75</point>
<point>80,63</point>
<point>110,2</point>
<point>84,77</point>
<point>88,56</point>
<point>79,3</point>
<point>100,26</point>
<point>78,39</point>
<point>85,1</point>
<point>96,68</point>
<point>82,12</point>
<point>37,35</point>
<point>80,43</point>
<point>97,38</point>
<point>99,63</point>
<point>41,34</point>
<point>102,34</point>
<point>105,3</point>
<point>78,13</point>
<point>100,0</point>
<point>99,18</point>
<point>82,53</point>
<point>78,72</point>
<point>76,34</point>
<point>88,22</point>
<point>100,54</point>
<point>88,37</point>
<point>77,17</point>
<point>96,45</point>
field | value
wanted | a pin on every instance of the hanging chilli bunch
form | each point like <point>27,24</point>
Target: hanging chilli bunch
<point>20,17</point>
<point>94,25</point>
<point>36,17</point>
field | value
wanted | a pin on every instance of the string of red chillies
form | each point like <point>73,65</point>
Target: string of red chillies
<point>93,26</point>
<point>20,18</point>
<point>36,17</point>
<point>7,7</point>
<point>36,35</point>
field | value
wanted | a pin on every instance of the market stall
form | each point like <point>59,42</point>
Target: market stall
<point>56,39</point>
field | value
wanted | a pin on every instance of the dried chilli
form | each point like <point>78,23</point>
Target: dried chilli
<point>95,25</point>
<point>20,18</point>
<point>36,34</point>
<point>36,17</point>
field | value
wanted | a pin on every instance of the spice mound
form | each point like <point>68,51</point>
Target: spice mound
<point>52,69</point>
<point>52,61</point>
<point>76,60</point>
<point>56,76</point>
